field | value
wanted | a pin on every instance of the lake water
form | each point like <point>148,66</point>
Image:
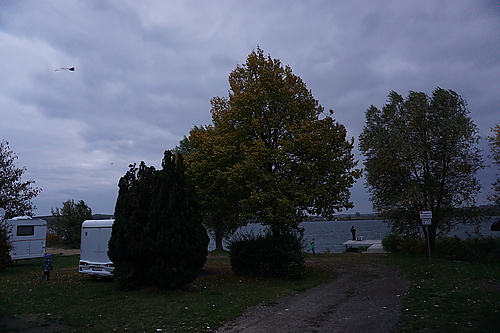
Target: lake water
<point>329,235</point>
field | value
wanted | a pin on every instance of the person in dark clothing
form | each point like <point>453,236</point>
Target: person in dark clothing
<point>47,266</point>
<point>353,232</point>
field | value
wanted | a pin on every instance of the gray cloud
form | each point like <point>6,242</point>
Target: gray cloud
<point>146,72</point>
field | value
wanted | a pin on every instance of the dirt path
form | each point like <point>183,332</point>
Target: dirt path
<point>365,298</point>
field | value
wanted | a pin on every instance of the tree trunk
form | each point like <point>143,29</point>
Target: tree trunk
<point>218,241</point>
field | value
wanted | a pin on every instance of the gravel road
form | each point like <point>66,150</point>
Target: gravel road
<point>364,298</point>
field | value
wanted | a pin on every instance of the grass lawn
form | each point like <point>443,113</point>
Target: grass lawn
<point>444,296</point>
<point>450,296</point>
<point>71,300</point>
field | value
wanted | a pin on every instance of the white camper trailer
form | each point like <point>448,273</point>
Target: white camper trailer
<point>94,248</point>
<point>28,237</point>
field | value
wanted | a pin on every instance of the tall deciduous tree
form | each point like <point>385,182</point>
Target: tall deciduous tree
<point>271,153</point>
<point>494,142</point>
<point>421,154</point>
<point>157,238</point>
<point>210,156</point>
<point>68,221</point>
<point>218,208</point>
<point>15,194</point>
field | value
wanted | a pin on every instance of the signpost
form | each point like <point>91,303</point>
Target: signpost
<point>426,221</point>
<point>425,214</point>
<point>426,217</point>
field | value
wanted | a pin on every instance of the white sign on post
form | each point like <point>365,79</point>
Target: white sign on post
<point>426,221</point>
<point>426,217</point>
<point>425,214</point>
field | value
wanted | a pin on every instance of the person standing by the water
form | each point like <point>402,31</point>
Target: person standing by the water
<point>312,247</point>
<point>353,232</point>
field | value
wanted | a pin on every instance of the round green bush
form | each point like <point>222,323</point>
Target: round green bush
<point>279,256</point>
<point>404,244</point>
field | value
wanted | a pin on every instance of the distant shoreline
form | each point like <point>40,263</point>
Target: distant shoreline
<point>343,218</point>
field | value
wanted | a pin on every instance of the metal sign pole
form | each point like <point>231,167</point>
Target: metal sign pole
<point>429,242</point>
<point>426,217</point>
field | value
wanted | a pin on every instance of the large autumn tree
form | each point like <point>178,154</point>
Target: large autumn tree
<point>421,154</point>
<point>271,154</point>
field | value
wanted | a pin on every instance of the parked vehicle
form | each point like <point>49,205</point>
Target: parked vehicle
<point>28,237</point>
<point>94,259</point>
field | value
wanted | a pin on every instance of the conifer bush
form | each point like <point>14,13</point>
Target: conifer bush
<point>157,239</point>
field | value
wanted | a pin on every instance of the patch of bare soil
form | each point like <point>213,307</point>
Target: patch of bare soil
<point>363,298</point>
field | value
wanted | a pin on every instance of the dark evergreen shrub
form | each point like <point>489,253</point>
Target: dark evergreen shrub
<point>280,256</point>
<point>157,238</point>
<point>126,248</point>
<point>176,237</point>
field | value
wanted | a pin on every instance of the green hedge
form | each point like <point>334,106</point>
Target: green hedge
<point>404,244</point>
<point>481,250</point>
<point>268,255</point>
<point>477,249</point>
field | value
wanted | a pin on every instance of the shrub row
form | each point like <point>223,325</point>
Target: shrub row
<point>268,255</point>
<point>483,250</point>
<point>478,249</point>
<point>404,244</point>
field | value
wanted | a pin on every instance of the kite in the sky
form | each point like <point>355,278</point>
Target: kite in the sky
<point>71,69</point>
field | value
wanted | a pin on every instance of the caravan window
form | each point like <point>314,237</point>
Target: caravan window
<point>25,230</point>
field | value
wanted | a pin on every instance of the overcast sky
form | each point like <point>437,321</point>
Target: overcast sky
<point>146,71</point>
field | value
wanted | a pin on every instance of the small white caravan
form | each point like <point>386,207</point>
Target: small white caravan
<point>28,237</point>
<point>94,259</point>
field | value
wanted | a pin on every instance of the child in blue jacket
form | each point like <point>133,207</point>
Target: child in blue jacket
<point>47,267</point>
